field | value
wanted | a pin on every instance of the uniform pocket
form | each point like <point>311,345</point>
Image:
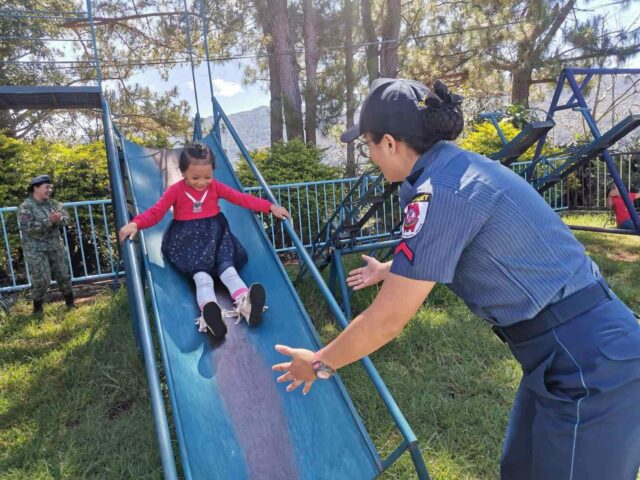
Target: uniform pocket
<point>623,346</point>
<point>544,381</point>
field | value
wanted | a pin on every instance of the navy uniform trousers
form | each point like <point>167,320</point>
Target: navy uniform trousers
<point>576,415</point>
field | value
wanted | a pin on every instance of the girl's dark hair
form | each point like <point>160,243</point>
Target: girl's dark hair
<point>442,120</point>
<point>196,153</point>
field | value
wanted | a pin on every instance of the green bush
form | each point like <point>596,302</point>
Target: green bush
<point>484,139</point>
<point>79,172</point>
<point>289,162</point>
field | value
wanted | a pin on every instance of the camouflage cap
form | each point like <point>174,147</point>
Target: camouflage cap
<point>39,180</point>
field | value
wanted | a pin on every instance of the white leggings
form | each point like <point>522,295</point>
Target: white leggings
<point>205,291</point>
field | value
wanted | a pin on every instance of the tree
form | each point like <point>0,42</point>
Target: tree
<point>287,69</point>
<point>371,39</point>
<point>350,169</point>
<point>23,41</point>
<point>265,17</point>
<point>390,37</point>
<point>532,40</point>
<point>311,58</point>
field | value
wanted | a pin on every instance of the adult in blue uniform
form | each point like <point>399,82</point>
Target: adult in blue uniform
<point>479,228</point>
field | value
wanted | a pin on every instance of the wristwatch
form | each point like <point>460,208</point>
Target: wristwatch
<point>323,371</point>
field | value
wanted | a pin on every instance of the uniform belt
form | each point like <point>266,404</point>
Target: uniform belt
<point>556,314</point>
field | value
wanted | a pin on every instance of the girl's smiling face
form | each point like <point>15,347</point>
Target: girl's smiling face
<point>198,176</point>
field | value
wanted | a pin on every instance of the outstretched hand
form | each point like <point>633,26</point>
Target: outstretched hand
<point>372,273</point>
<point>298,371</point>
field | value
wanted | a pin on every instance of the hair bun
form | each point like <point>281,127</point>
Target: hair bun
<point>448,98</point>
<point>444,120</point>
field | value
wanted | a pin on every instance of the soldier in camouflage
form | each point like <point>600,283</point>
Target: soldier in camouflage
<point>40,220</point>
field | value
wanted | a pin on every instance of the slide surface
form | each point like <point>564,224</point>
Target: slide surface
<point>232,420</point>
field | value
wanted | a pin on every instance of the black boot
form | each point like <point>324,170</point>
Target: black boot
<point>68,300</point>
<point>37,308</point>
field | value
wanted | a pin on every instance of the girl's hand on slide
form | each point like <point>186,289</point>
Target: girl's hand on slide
<point>128,231</point>
<point>279,211</point>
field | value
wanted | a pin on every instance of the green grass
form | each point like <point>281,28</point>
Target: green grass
<point>73,397</point>
<point>74,403</point>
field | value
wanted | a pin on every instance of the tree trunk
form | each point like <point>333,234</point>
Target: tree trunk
<point>389,47</point>
<point>311,57</point>
<point>287,68</point>
<point>520,83</point>
<point>265,18</point>
<point>350,168</point>
<point>371,39</point>
<point>275,104</point>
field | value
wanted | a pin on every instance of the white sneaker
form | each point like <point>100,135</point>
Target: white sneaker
<point>250,306</point>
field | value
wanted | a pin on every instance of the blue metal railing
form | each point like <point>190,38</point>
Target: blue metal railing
<point>89,237</point>
<point>410,441</point>
<point>312,204</point>
<point>89,241</point>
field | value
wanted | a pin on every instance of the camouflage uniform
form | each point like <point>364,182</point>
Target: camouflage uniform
<point>43,247</point>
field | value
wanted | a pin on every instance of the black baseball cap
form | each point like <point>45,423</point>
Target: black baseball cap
<point>393,106</point>
<point>39,180</point>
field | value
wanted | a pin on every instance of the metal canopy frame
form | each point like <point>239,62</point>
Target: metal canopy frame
<point>601,143</point>
<point>50,98</point>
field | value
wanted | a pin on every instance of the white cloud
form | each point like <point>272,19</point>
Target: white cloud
<point>223,88</point>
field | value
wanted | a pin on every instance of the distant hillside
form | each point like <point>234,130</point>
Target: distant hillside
<point>253,125</point>
<point>253,128</point>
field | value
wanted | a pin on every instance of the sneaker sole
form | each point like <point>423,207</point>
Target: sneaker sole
<point>213,318</point>
<point>257,297</point>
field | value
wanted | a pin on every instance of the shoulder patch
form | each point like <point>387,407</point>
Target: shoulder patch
<point>415,215</point>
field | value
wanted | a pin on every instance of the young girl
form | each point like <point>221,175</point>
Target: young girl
<point>614,201</point>
<point>199,242</point>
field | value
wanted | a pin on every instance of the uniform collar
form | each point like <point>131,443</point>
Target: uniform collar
<point>40,202</point>
<point>425,165</point>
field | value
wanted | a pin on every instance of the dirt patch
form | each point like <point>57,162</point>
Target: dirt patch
<point>119,409</point>
<point>623,257</point>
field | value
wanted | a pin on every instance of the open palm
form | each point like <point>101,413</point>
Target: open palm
<point>372,273</point>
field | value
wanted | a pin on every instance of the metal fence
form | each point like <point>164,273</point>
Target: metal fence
<point>589,184</point>
<point>89,238</point>
<point>312,204</point>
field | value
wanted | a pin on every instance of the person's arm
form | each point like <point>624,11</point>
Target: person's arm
<point>154,214</point>
<point>242,199</point>
<point>151,216</point>
<point>396,303</point>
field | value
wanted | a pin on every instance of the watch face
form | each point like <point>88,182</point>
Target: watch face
<point>323,375</point>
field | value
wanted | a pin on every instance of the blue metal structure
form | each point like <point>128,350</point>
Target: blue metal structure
<point>544,172</point>
<point>89,220</point>
<point>529,136</point>
<point>231,418</point>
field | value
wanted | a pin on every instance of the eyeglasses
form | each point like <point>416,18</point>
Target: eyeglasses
<point>363,149</point>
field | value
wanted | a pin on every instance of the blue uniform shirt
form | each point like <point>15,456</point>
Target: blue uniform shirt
<point>479,228</point>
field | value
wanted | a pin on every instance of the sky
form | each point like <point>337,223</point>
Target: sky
<point>234,96</point>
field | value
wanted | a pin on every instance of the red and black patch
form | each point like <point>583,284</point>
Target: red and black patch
<point>406,251</point>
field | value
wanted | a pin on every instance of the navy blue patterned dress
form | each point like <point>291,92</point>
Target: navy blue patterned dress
<point>203,245</point>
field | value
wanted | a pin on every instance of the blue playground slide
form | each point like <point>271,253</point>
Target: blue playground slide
<point>232,420</point>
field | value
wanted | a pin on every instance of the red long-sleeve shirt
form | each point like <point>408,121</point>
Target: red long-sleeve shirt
<point>175,196</point>
<point>620,209</point>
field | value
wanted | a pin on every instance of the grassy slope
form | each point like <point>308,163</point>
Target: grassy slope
<point>73,401</point>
